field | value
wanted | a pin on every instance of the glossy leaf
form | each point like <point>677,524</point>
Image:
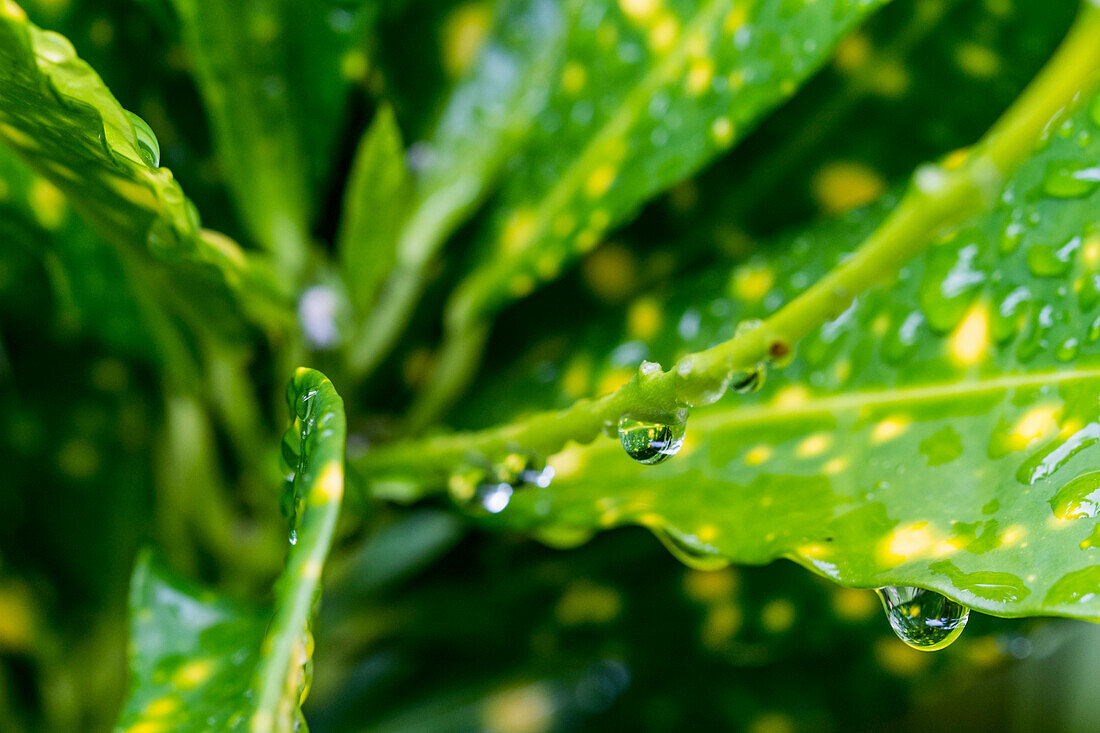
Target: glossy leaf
<point>56,113</point>
<point>374,206</point>
<point>201,662</point>
<point>488,115</point>
<point>649,93</point>
<point>938,433</point>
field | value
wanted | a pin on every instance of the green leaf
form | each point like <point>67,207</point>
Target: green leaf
<point>56,113</point>
<point>271,75</point>
<point>650,92</point>
<point>486,118</point>
<point>201,662</point>
<point>375,198</point>
<point>940,432</point>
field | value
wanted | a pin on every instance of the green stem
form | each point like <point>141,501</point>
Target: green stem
<point>941,196</point>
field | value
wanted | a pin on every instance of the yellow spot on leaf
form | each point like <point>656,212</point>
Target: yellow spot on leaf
<point>1012,535</point>
<point>16,618</point>
<point>853,604</point>
<point>567,462</point>
<point>889,429</point>
<point>521,286</point>
<point>610,272</point>
<point>722,622</point>
<point>163,706</point>
<point>330,485</point>
<point>908,542</point>
<point>844,185</point>
<point>852,52</point>
<point>898,659</point>
<point>834,466</point>
<point>643,319</point>
<point>600,180</point>
<point>752,282</point>
<point>778,615</point>
<point>192,674</point>
<point>757,455</point>
<point>722,130</point>
<point>354,65</point>
<point>970,341</point>
<point>699,75</point>
<point>587,603</point>
<point>47,202</point>
<point>573,77</point>
<point>791,396</point>
<point>735,18</point>
<point>518,230</point>
<point>613,380</point>
<point>639,10</point>
<point>977,61</point>
<point>664,33</point>
<point>464,32</point>
<point>1035,423</point>
<point>813,445</point>
<point>1090,252</point>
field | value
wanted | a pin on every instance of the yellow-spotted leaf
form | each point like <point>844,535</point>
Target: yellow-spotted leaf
<point>201,662</point>
<point>56,113</point>
<point>941,432</point>
<point>650,91</point>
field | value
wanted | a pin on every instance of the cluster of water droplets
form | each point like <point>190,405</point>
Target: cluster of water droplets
<point>652,437</point>
<point>490,485</point>
<point>298,443</point>
<point>923,619</point>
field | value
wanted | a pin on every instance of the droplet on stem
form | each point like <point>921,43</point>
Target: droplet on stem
<point>651,440</point>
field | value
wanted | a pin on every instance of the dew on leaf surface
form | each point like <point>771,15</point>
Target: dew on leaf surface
<point>146,140</point>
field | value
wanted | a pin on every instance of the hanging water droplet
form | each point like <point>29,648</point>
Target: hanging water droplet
<point>1070,179</point>
<point>146,140</point>
<point>923,619</point>
<point>653,440</point>
<point>749,381</point>
<point>293,537</point>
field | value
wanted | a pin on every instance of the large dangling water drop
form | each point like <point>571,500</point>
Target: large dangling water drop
<point>923,619</point>
<point>146,140</point>
<point>651,440</point>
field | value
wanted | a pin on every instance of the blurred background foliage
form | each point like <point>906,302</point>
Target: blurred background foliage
<point>429,623</point>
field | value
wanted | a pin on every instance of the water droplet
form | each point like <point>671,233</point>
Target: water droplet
<point>652,440</point>
<point>1069,179</point>
<point>54,47</point>
<point>293,537</point>
<point>749,381</point>
<point>146,140</point>
<point>1078,499</point>
<point>1047,261</point>
<point>923,619</point>
<point>494,498</point>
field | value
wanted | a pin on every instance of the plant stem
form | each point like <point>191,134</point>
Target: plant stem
<point>941,196</point>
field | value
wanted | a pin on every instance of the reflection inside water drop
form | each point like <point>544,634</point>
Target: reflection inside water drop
<point>653,440</point>
<point>923,619</point>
